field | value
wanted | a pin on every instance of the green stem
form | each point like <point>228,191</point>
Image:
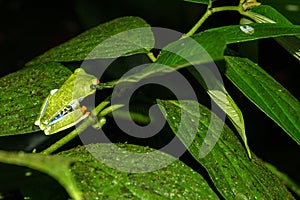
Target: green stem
<point>151,56</point>
<point>209,12</point>
<point>110,84</point>
<point>226,8</point>
<point>199,23</point>
<point>241,3</point>
<point>137,117</point>
<point>110,109</point>
<point>68,137</point>
<point>102,105</point>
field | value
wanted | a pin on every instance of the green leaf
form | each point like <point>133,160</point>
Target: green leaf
<point>222,98</point>
<point>205,47</point>
<point>234,34</point>
<point>54,166</point>
<point>231,171</point>
<point>98,179</point>
<point>266,93</point>
<point>119,37</point>
<point>22,94</point>
<point>267,14</point>
<point>291,44</point>
<point>285,178</point>
<point>271,13</point>
<point>214,42</point>
<point>175,56</point>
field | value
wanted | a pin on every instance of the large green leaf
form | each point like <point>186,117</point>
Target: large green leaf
<point>232,172</point>
<point>234,34</point>
<point>115,38</point>
<point>267,94</point>
<point>54,166</point>
<point>98,180</point>
<point>22,94</point>
<point>214,42</point>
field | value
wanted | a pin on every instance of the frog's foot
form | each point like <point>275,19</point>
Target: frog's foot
<point>84,112</point>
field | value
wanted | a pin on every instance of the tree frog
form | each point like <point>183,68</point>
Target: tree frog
<point>61,109</point>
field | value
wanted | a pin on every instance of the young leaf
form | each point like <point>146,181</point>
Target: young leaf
<point>22,94</point>
<point>231,171</point>
<point>98,179</point>
<point>266,93</point>
<point>270,13</point>
<point>54,166</point>
<point>124,40</point>
<point>222,98</point>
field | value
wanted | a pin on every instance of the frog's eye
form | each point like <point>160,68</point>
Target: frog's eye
<point>94,86</point>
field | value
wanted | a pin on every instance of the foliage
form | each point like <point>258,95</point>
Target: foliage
<point>229,170</point>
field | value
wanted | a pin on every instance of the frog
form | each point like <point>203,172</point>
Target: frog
<point>61,109</point>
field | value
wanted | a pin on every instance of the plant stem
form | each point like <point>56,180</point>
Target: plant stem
<point>241,3</point>
<point>68,137</point>
<point>110,84</point>
<point>102,105</point>
<point>209,12</point>
<point>151,56</point>
<point>226,8</point>
<point>110,109</point>
<point>199,23</point>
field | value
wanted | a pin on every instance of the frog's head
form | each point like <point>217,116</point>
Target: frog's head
<point>84,84</point>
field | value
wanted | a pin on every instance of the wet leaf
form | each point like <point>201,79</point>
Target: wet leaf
<point>22,94</point>
<point>266,93</point>
<point>119,37</point>
<point>98,177</point>
<point>231,171</point>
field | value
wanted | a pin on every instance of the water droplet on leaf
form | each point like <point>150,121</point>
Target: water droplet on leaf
<point>247,29</point>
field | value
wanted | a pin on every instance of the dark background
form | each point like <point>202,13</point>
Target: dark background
<point>29,28</point>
